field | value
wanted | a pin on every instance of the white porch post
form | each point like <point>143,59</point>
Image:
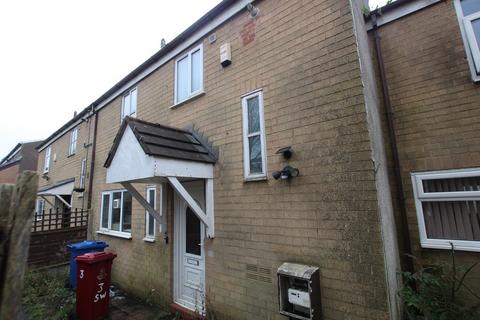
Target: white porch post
<point>188,198</point>
<point>209,208</point>
<point>130,188</point>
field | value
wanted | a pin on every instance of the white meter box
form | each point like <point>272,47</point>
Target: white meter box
<point>299,291</point>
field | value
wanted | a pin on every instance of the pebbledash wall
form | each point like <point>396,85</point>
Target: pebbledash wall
<point>303,55</point>
<point>63,166</point>
<point>436,106</point>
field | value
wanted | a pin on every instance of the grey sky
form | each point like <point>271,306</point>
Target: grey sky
<point>58,56</point>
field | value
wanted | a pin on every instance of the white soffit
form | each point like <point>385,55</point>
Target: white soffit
<point>63,189</point>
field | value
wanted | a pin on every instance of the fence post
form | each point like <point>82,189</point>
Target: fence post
<point>17,240</point>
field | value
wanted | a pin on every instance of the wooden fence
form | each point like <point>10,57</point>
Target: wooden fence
<point>51,233</point>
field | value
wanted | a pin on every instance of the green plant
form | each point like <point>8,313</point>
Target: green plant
<point>432,293</point>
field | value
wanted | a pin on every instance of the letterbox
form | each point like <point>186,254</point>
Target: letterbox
<point>93,285</point>
<point>299,291</point>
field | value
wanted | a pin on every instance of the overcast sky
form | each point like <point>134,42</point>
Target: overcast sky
<point>58,56</point>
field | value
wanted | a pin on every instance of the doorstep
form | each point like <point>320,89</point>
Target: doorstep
<point>186,314</point>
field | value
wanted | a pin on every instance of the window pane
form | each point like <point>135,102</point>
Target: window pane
<point>193,233</point>
<point>133,102</point>
<point>476,30</point>
<point>255,149</point>
<point>452,185</point>
<point>470,6</point>
<point>127,212</point>
<point>182,79</point>
<point>196,71</point>
<point>126,106</point>
<point>150,218</point>
<point>105,207</point>
<point>253,115</point>
<point>116,211</point>
<point>452,220</point>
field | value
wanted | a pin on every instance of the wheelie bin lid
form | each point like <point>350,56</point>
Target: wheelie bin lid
<point>94,257</point>
<point>87,244</point>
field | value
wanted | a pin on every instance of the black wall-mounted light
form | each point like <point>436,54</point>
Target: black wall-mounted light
<point>285,152</point>
<point>286,173</point>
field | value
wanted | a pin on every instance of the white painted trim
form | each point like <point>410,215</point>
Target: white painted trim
<point>472,39</point>
<point>209,208</point>
<point>246,150</point>
<point>72,145</point>
<point>147,239</point>
<point>192,97</point>
<point>198,35</point>
<point>83,173</point>
<point>111,233</point>
<point>165,167</point>
<point>400,12</point>
<point>128,94</point>
<point>40,203</point>
<point>188,56</point>
<point>143,202</point>
<point>188,199</point>
<point>66,188</point>
<point>466,43</point>
<point>421,196</point>
<point>110,208</point>
<point>63,201</point>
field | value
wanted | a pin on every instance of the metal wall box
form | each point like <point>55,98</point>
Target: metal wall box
<point>299,291</point>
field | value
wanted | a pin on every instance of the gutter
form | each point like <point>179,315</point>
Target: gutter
<point>407,246</point>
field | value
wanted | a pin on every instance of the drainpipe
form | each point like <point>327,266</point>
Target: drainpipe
<point>92,168</point>
<point>393,145</point>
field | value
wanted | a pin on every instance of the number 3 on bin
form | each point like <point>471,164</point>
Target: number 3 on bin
<point>81,274</point>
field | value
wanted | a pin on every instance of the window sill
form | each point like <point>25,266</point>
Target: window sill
<point>191,98</point>
<point>70,155</point>
<point>150,240</point>
<point>459,245</point>
<point>255,178</point>
<point>116,234</point>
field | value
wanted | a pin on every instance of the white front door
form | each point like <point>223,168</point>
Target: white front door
<point>189,256</point>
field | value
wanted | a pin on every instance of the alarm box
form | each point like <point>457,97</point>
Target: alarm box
<point>299,291</point>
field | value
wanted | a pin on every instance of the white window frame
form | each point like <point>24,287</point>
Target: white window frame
<point>470,43</point>
<point>191,93</point>
<point>83,173</point>
<point>149,237</point>
<point>128,95</point>
<point>421,196</point>
<point>246,151</point>
<point>108,230</point>
<point>72,146</point>
<point>39,213</point>
<point>46,164</point>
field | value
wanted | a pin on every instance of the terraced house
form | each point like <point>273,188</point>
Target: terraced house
<point>257,141</point>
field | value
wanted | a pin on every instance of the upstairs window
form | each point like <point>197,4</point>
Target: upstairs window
<point>116,212</point>
<point>72,146</point>
<point>189,74</point>
<point>83,172</point>
<point>448,209</point>
<point>46,165</point>
<point>468,12</point>
<point>129,103</point>
<point>254,152</point>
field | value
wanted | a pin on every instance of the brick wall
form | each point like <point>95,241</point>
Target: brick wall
<point>303,55</point>
<point>9,174</point>
<point>435,103</point>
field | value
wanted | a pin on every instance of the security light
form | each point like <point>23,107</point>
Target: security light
<point>252,10</point>
<point>285,152</point>
<point>286,173</point>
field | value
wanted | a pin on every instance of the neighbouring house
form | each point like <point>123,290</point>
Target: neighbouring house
<point>258,137</point>
<point>431,60</point>
<point>22,157</point>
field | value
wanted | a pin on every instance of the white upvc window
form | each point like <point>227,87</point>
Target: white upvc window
<point>189,74</point>
<point>116,212</point>
<point>448,208</point>
<point>83,172</point>
<point>150,219</point>
<point>72,146</point>
<point>46,165</point>
<point>254,150</point>
<point>39,209</point>
<point>468,13</point>
<point>129,103</point>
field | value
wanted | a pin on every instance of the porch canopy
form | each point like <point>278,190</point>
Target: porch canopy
<point>145,152</point>
<point>64,187</point>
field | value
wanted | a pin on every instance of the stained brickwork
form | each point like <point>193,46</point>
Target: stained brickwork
<point>9,174</point>
<point>435,104</point>
<point>304,57</point>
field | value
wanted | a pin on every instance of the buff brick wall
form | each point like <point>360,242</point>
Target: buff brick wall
<point>66,167</point>
<point>436,106</point>
<point>303,55</point>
